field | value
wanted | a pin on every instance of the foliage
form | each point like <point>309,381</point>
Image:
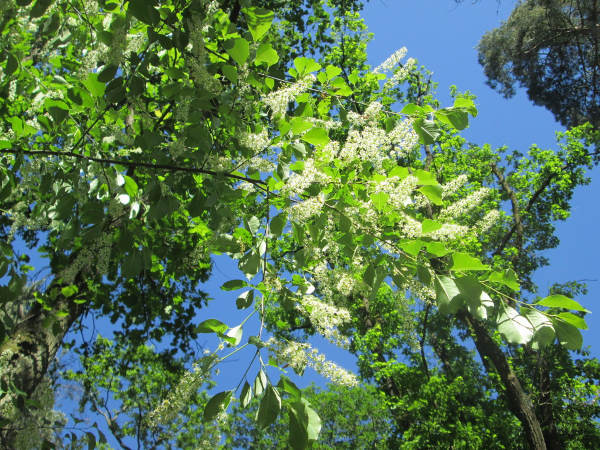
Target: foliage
<point>549,47</point>
<point>140,139</point>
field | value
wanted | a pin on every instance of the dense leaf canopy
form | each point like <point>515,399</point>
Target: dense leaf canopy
<point>141,138</point>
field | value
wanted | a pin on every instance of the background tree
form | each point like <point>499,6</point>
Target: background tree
<point>550,47</point>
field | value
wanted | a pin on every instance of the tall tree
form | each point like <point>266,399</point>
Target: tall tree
<point>139,139</point>
<point>550,47</point>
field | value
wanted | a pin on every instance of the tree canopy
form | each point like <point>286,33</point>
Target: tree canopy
<point>551,48</point>
<point>140,138</point>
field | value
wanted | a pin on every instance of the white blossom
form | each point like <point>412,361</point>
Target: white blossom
<point>279,100</point>
<point>326,318</point>
<point>179,397</point>
<point>302,211</point>
<point>392,60</point>
<point>466,204</point>
<point>453,185</point>
<point>300,355</point>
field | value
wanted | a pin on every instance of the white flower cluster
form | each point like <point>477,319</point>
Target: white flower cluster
<point>197,63</point>
<point>301,212</point>
<point>94,258</point>
<point>345,284</point>
<point>449,232</point>
<point>256,141</point>
<point>391,62</point>
<point>402,139</point>
<point>400,73</point>
<point>298,182</point>
<point>279,100</point>
<point>326,318</point>
<point>367,141</point>
<point>259,163</point>
<point>453,185</point>
<point>399,191</point>
<point>179,397</point>
<point>487,222</point>
<point>299,355</point>
<point>465,205</point>
<point>366,145</point>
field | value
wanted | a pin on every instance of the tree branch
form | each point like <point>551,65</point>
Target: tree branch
<point>518,223</point>
<point>168,167</point>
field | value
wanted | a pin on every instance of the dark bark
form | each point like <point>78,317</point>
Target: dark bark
<point>518,400</point>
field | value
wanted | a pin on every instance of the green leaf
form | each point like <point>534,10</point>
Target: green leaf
<point>411,109</point>
<point>447,294</point>
<point>12,64</point>
<point>249,264</point>
<point>91,440</point>
<point>57,109</point>
<point>69,291</point>
<point>232,285</point>
<point>260,383</point>
<point>332,71</point>
<point>543,328</point>
<point>574,320</point>
<point>412,247</point>
<point>456,118</point>
<point>212,326</point>
<point>429,225</point>
<point>305,425</point>
<point>39,8</point>
<point>286,385</point>
<point>425,178</point>
<point>253,224</point>
<point>317,137</point>
<point>245,300</point>
<point>246,395</point>
<point>259,21</point>
<point>236,333</point>
<point>306,65</point>
<point>433,193</point>
<point>299,125</point>
<point>95,87</point>
<point>107,73</point>
<point>427,130</point>
<point>218,403</point>
<point>517,329</point>
<point>464,261</point>
<point>466,104</point>
<point>277,224</point>
<point>568,335</point>
<point>238,49</point>
<point>508,278</point>
<point>561,301</point>
<point>230,72</point>
<point>266,54</point>
<point>437,249</point>
<point>380,200</point>
<point>144,10</point>
<point>269,408</point>
<point>130,186</point>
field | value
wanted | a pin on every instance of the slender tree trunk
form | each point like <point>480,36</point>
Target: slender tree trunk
<point>32,347</point>
<point>518,400</point>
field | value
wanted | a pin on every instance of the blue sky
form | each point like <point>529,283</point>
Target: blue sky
<point>443,37</point>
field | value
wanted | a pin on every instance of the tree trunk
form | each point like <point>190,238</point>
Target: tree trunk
<point>518,400</point>
<point>32,346</point>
